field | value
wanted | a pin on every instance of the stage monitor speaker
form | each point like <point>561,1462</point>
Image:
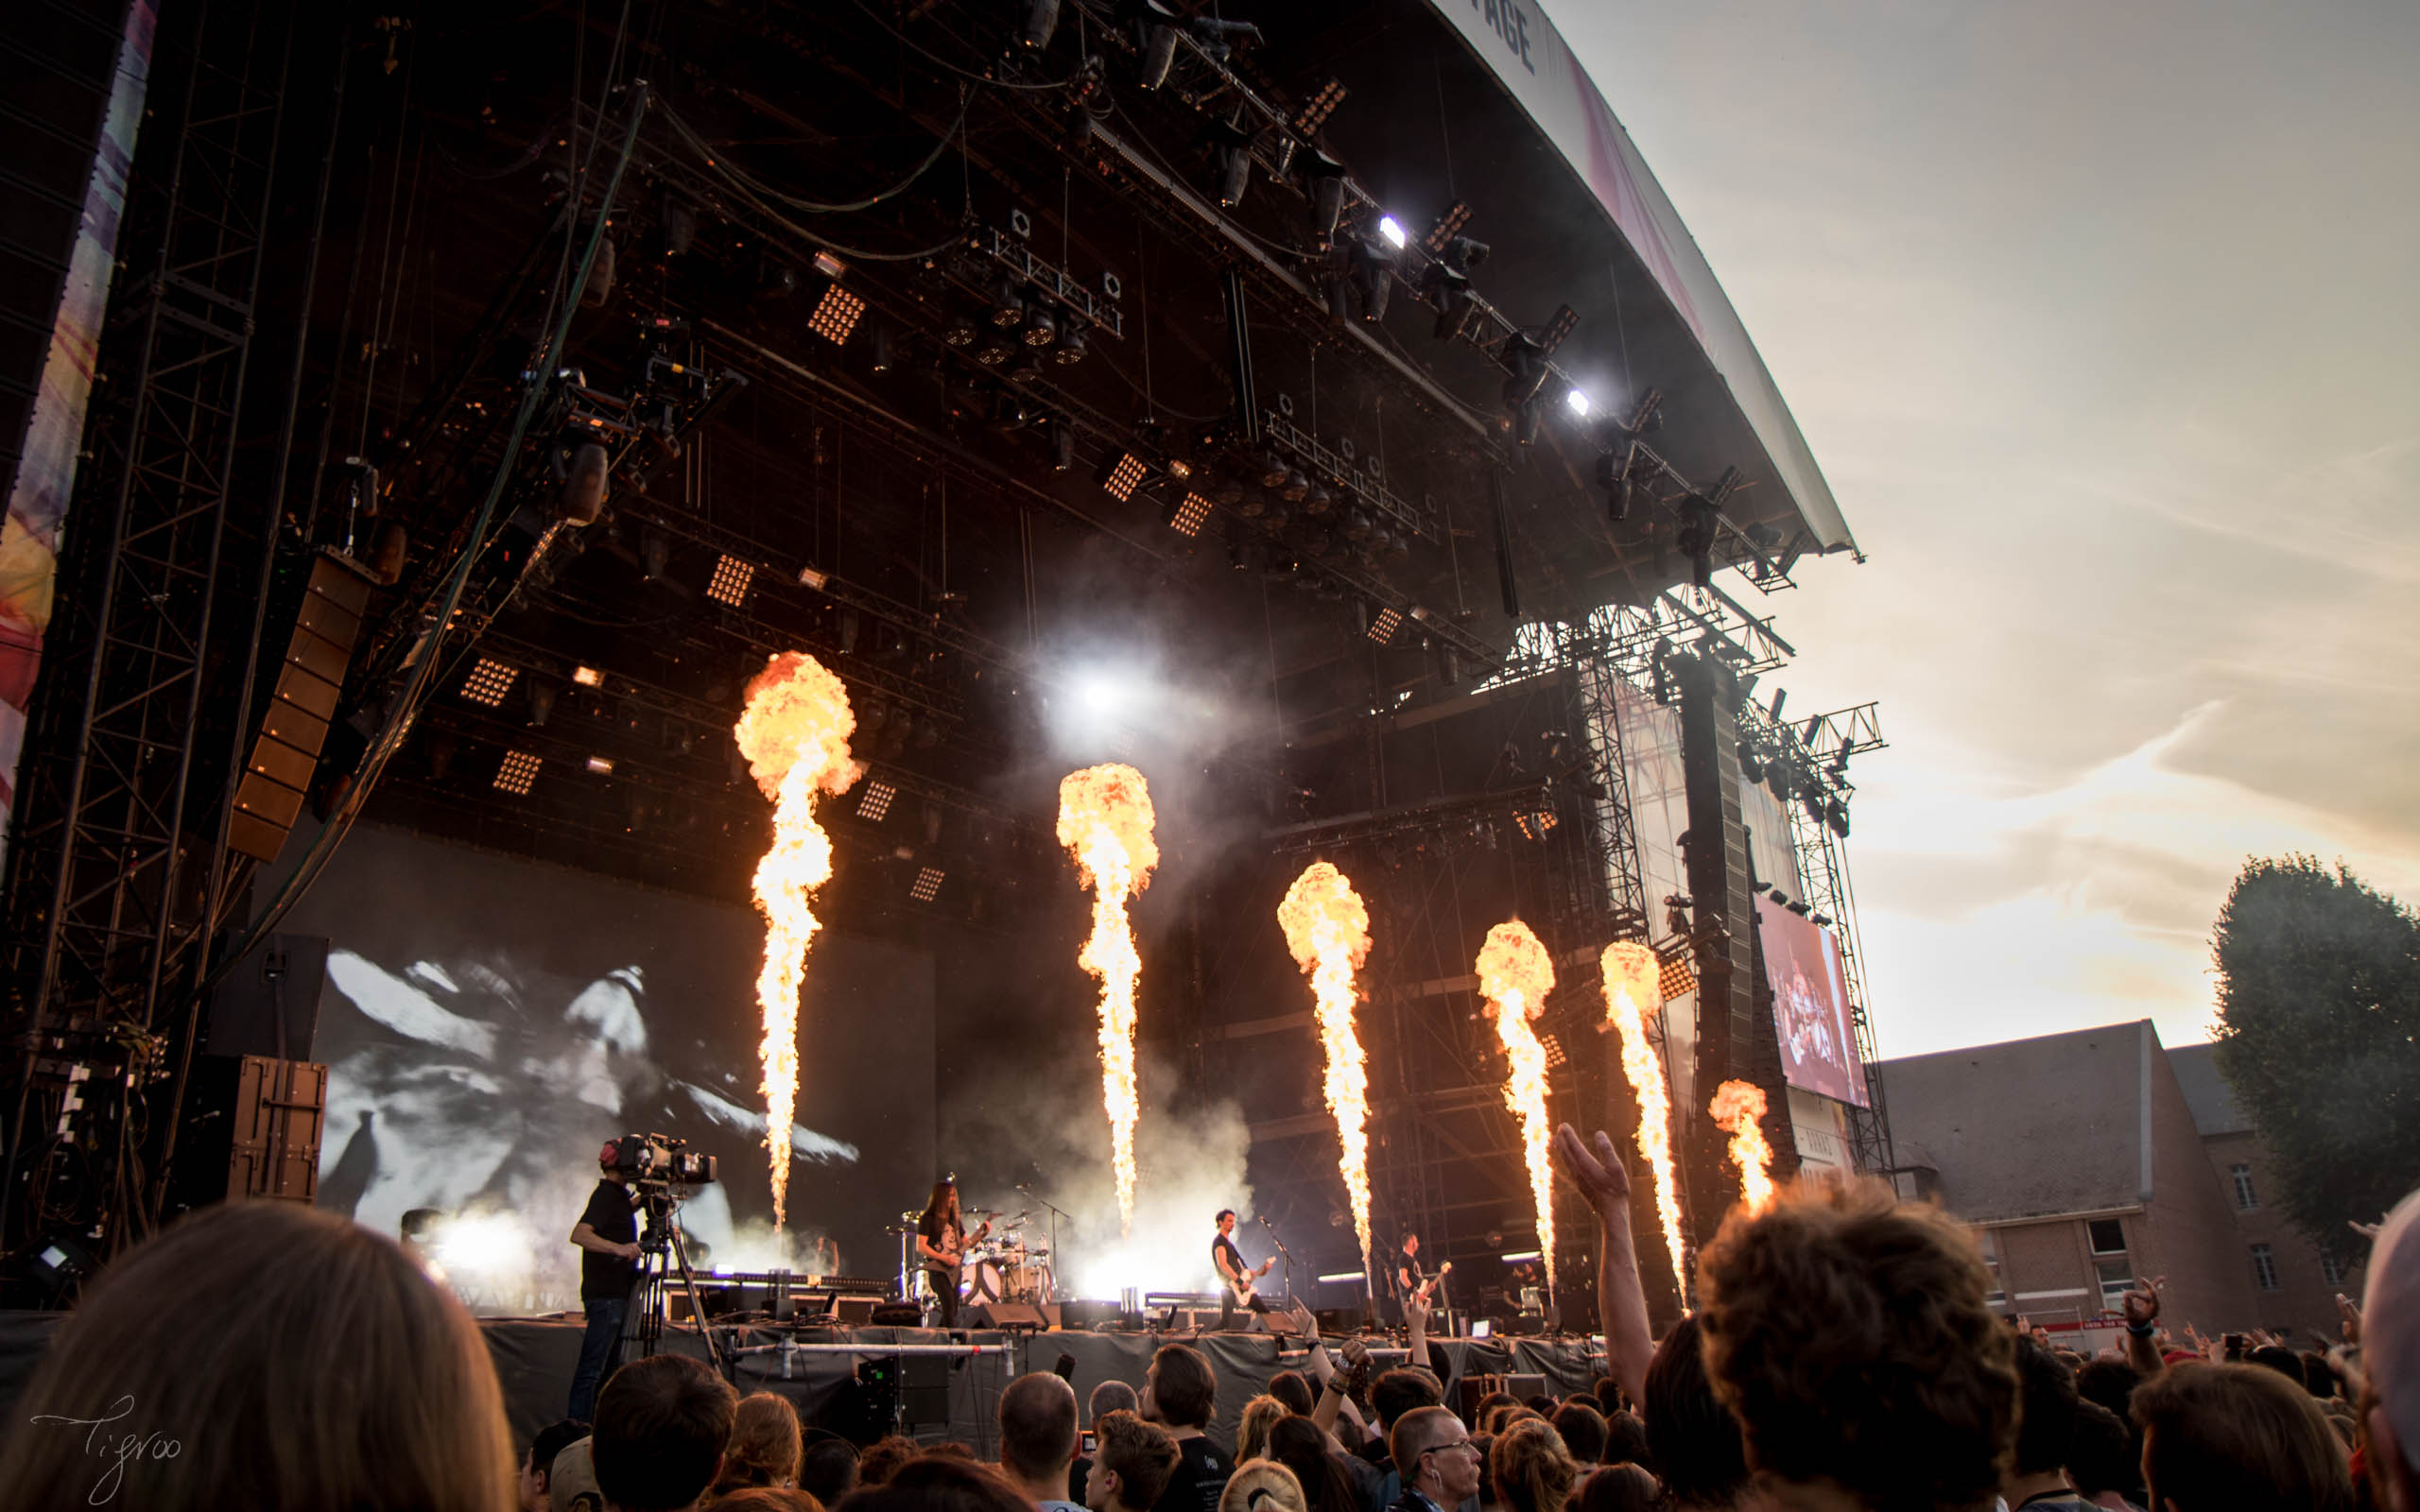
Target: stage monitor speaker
<point>1474,1389</point>
<point>251,1129</point>
<point>1526,1386</point>
<point>1090,1314</point>
<point>1281,1324</point>
<point>896,1316</point>
<point>1006,1315</point>
<point>924,1388</point>
<point>268,1005</point>
<point>1339,1322</point>
<point>302,699</point>
<point>857,1311</point>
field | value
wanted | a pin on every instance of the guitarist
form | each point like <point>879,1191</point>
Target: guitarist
<point>941,1238</point>
<point>1236,1280</point>
<point>1411,1279</point>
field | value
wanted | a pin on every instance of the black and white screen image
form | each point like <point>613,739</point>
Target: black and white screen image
<point>488,1023</point>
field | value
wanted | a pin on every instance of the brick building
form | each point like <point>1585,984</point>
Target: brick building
<point>2079,1162</point>
<point>2294,1280</point>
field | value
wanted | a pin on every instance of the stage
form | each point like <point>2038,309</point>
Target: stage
<point>949,1396</point>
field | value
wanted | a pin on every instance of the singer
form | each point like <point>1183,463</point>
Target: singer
<point>1235,1289</point>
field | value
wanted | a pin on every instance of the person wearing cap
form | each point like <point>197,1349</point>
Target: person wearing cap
<point>607,1236</point>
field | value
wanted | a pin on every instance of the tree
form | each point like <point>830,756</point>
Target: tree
<point>2319,1010</point>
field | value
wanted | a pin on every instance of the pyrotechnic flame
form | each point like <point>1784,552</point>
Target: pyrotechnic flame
<point>1105,823</point>
<point>1632,990</point>
<point>1737,1107</point>
<point>1516,973</point>
<point>795,733</point>
<point>1329,930</point>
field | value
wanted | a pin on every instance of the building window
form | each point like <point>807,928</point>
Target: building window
<point>1999,1298</point>
<point>2264,1267</point>
<point>2244,1197</point>
<point>2332,1268</point>
<point>2108,1236</point>
<point>2115,1278</point>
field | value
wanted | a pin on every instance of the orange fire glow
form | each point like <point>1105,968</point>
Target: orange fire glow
<point>795,733</point>
<point>1515,974</point>
<point>1105,823</point>
<point>1737,1107</point>
<point>1633,990</point>
<point>1329,930</point>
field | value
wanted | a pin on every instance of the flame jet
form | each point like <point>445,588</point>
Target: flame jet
<point>1633,989</point>
<point>1106,822</point>
<point>1515,974</point>
<point>1737,1107</point>
<point>794,732</point>
<point>1329,930</point>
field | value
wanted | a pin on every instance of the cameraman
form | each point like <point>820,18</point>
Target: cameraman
<point>607,1235</point>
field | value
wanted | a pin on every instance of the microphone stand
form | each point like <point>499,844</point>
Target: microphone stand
<point>1285,1253</point>
<point>1056,1213</point>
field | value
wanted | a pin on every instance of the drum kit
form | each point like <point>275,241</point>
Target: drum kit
<point>1000,1267</point>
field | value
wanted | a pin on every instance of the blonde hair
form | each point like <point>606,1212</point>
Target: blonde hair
<point>1531,1468</point>
<point>1261,1413</point>
<point>765,1444</point>
<point>309,1365</point>
<point>1277,1491</point>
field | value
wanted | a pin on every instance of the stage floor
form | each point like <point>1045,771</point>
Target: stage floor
<point>949,1396</point>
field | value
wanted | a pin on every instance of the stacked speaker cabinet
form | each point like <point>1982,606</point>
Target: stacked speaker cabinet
<point>309,681</point>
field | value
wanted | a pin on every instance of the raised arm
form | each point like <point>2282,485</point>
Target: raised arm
<point>2141,1305</point>
<point>1621,1301</point>
<point>1340,1385</point>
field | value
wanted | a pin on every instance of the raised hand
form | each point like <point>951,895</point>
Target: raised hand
<point>1301,1314</point>
<point>1416,1309</point>
<point>2141,1301</point>
<point>2348,1317</point>
<point>1598,1174</point>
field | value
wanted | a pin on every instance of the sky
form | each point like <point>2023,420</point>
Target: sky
<point>2104,323</point>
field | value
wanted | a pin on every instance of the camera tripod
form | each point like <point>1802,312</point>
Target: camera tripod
<point>661,1248</point>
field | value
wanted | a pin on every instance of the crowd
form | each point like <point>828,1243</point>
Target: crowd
<point>1843,1359</point>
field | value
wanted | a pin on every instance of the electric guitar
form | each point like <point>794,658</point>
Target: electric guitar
<point>1241,1285</point>
<point>953,1258</point>
<point>1427,1289</point>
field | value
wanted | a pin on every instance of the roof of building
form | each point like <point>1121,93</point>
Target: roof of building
<point>2215,1108</point>
<point>2030,1127</point>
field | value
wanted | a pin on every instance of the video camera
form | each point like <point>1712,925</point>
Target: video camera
<point>656,1160</point>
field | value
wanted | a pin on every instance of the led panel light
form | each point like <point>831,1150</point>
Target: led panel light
<point>1382,629</point>
<point>1535,823</point>
<point>928,883</point>
<point>1190,515</point>
<point>601,765</point>
<point>489,681</point>
<point>588,677</point>
<point>1126,477</point>
<point>1677,980</point>
<point>729,582</point>
<point>519,770</point>
<point>876,801</point>
<point>1321,105</point>
<point>836,315</point>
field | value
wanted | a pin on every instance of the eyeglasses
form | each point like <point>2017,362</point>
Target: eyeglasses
<point>1464,1444</point>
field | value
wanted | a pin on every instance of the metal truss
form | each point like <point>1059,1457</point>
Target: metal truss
<point>117,872</point>
<point>1823,872</point>
<point>1632,640</point>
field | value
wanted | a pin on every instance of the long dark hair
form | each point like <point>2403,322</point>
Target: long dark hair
<point>1298,1444</point>
<point>943,1191</point>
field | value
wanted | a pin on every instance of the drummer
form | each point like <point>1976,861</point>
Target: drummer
<point>942,1240</point>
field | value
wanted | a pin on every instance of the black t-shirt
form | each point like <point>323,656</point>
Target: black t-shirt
<point>606,1276</point>
<point>942,1235</point>
<point>1200,1475</point>
<point>1222,1245</point>
<point>1408,1265</point>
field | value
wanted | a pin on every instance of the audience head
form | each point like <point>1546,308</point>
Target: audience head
<point>1262,1485</point>
<point>1399,1391</point>
<point>538,1466</point>
<point>1180,1389</point>
<point>941,1483</point>
<point>2234,1436</point>
<point>1298,1444</point>
<point>1540,1403</point>
<point>1838,1284</point>
<point>1261,1413</point>
<point>2318,1379</point>
<point>827,1468</point>
<point>1038,1427</point>
<point>1290,1388</point>
<point>1531,1468</point>
<point>1626,1442</point>
<point>1109,1397</point>
<point>1582,1427</point>
<point>1604,1388</point>
<point>1434,1455</point>
<point>572,1487</point>
<point>766,1499</point>
<point>2391,1358</point>
<point>662,1424</point>
<point>1692,1440</point>
<point>1488,1405</point>
<point>2101,1456</point>
<point>1132,1461</point>
<point>299,1302</point>
<point>1619,1489</point>
<point>882,1458</point>
<point>2274,1357</point>
<point>2109,1382</point>
<point>2047,1423</point>
<point>765,1444</point>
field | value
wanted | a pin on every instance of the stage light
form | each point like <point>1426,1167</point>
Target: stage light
<point>1382,629</point>
<point>1062,446</point>
<point>829,266</point>
<point>1235,175</point>
<point>1798,908</point>
<point>1273,471</point>
<point>601,765</point>
<point>1752,766</point>
<point>1041,20</point>
<point>519,769</point>
<point>729,582</point>
<point>1519,1257</point>
<point>1125,476</point>
<point>1836,814</point>
<point>1041,327</point>
<point>1008,304</point>
<point>1070,350</point>
<point>875,801</point>
<point>836,315</point>
<point>541,695</point>
<point>1374,269</point>
<point>1819,920</point>
<point>961,333</point>
<point>588,677</point>
<point>1777,895</point>
<point>1023,372</point>
<point>1576,401</point>
<point>847,630</point>
<point>1357,526</point>
<point>1295,489</point>
<point>1696,537</point>
<point>1340,1277</point>
<point>1159,56</point>
<point>1316,499</point>
<point>1180,469</point>
<point>1313,112</point>
<point>489,681</point>
<point>1392,229</point>
<point>1188,515</point>
<point>928,884</point>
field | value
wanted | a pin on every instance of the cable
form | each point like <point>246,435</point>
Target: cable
<point>713,160</point>
<point>940,61</point>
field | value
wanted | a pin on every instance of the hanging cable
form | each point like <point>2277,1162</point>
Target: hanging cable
<point>718,162</point>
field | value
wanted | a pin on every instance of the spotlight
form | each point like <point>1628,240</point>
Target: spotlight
<point>541,695</point>
<point>1461,253</point>
<point>1392,229</point>
<point>1295,489</point>
<point>994,353</point>
<point>655,549</point>
<point>848,630</point>
<point>836,315</point>
<point>519,769</point>
<point>1317,498</point>
<point>875,801</point>
<point>1451,293</point>
<point>1070,350</point>
<point>1327,197</point>
<point>1777,895</point>
<point>1188,515</point>
<point>1819,920</point>
<point>1576,401</point>
<point>880,362</point>
<point>1062,446</point>
<point>927,885</point>
<point>1041,330</point>
<point>1382,629</point>
<point>588,677</point>
<point>927,733</point>
<point>1039,22</point>
<point>1235,175</point>
<point>1027,372</point>
<point>1315,110</point>
<point>489,681</point>
<point>961,333</point>
<point>601,765</point>
<point>1273,471</point>
<point>1836,814</point>
<point>729,582</point>
<point>1357,526</point>
<point>1798,908</point>
<point>1374,268</point>
<point>1695,538</point>
<point>1125,475</point>
<point>1159,55</point>
<point>829,266</point>
<point>1752,766</point>
<point>1008,304</point>
<point>1250,503</point>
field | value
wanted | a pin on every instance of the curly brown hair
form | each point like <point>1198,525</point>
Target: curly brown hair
<point>2219,1435</point>
<point>1848,1333</point>
<point>1531,1468</point>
